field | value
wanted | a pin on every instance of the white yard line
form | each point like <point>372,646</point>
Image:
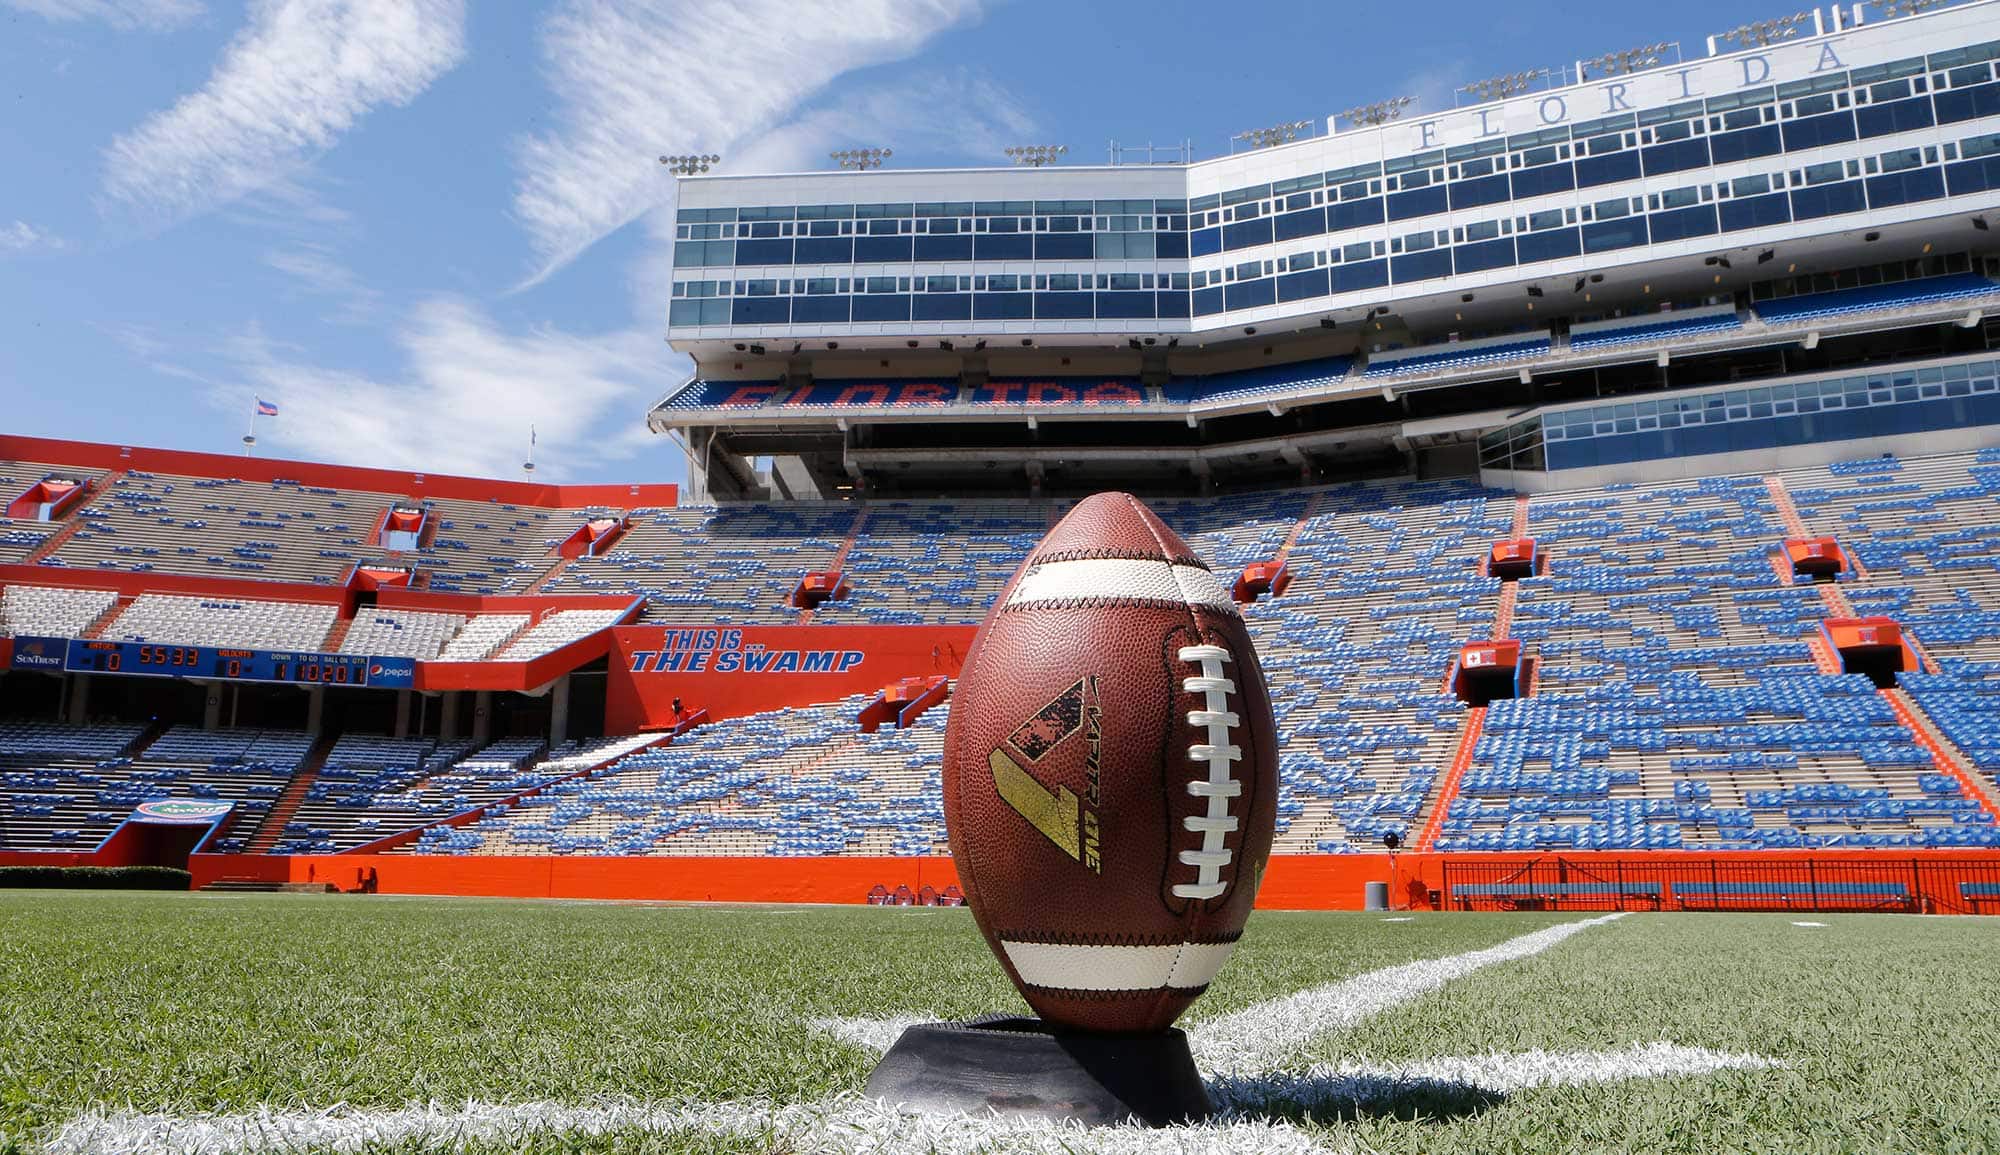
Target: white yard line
<point>1257,1037</point>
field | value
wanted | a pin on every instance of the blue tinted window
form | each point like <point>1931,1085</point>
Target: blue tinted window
<point>1968,103</point>
<point>1244,234</point>
<point>1003,306</point>
<point>1743,145</point>
<point>807,309</point>
<point>1551,245</point>
<point>1828,200</point>
<point>1473,193</point>
<point>1173,245</point>
<point>1605,235</point>
<point>1303,286</point>
<point>1814,131</point>
<point>1303,224</point>
<point>1597,170</point>
<point>1973,175</point>
<point>1354,214</point>
<point>1062,306</point>
<point>1483,256</point>
<point>826,251</point>
<point>1548,179</point>
<point>1675,157</point>
<point>1421,266</point>
<point>1205,242</point>
<point>881,307</point>
<point>957,248</point>
<point>870,250</point>
<point>1683,223</point>
<point>1170,304</point>
<point>1900,116</point>
<point>1250,294</point>
<point>1416,203</point>
<point>1919,184</point>
<point>1755,212</point>
<point>1124,305</point>
<point>1365,275</point>
<point>1016,247</point>
<point>942,307</point>
<point>761,311</point>
<point>1064,247</point>
<point>1207,301</point>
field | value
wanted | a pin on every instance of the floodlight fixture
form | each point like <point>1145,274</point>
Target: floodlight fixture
<point>860,159</point>
<point>1627,60</point>
<point>691,164</point>
<point>1502,87</point>
<point>1275,135</point>
<point>1035,155</point>
<point>1763,33</point>
<point>1378,113</point>
<point>1894,8</point>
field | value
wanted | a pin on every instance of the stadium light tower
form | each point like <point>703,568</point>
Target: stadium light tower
<point>1035,155</point>
<point>861,159</point>
<point>1275,135</point>
<point>1380,112</point>
<point>1502,87</point>
<point>1763,33</point>
<point>690,165</point>
<point>1627,60</point>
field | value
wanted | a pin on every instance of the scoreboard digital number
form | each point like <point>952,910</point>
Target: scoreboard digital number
<point>146,658</point>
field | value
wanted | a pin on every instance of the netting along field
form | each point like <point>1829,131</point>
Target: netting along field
<point>241,1023</point>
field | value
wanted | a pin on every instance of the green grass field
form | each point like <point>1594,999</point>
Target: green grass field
<point>1881,1031</point>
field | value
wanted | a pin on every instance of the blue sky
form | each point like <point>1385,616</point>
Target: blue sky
<point>419,226</point>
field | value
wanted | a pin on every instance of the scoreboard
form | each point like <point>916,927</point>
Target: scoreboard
<point>164,661</point>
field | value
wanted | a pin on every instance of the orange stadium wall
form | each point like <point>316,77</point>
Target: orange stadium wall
<point>1292,882</point>
<point>707,667</point>
<point>86,454</point>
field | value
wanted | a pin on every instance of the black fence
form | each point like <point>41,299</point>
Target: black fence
<point>1783,882</point>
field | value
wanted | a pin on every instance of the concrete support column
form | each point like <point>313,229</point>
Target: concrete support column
<point>402,713</point>
<point>211,706</point>
<point>482,716</point>
<point>315,709</point>
<point>79,699</point>
<point>559,711</point>
<point>448,715</point>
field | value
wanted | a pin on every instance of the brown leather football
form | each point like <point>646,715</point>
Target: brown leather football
<point>1111,772</point>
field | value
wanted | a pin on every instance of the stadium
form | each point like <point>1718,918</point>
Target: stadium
<point>1605,470</point>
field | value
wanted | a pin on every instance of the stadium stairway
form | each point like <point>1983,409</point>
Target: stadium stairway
<point>74,522</point>
<point>1461,760</point>
<point>281,811</point>
<point>103,621</point>
<point>839,562</point>
<point>1949,758</point>
<point>336,635</point>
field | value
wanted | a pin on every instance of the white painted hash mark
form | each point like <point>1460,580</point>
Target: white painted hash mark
<point>1808,924</point>
<point>1259,1036</point>
<point>1400,918</point>
<point>870,1034</point>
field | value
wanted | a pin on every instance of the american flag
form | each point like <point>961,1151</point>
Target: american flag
<point>265,408</point>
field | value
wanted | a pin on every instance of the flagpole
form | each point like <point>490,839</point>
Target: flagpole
<point>250,432</point>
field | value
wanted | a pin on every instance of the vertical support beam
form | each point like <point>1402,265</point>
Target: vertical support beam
<point>402,713</point>
<point>559,711</point>
<point>211,706</point>
<point>448,715</point>
<point>315,709</point>
<point>79,699</point>
<point>482,716</point>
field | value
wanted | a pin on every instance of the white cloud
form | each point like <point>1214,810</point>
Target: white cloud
<point>316,269</point>
<point>123,15</point>
<point>21,236</point>
<point>964,113</point>
<point>706,76</point>
<point>466,399</point>
<point>302,73</point>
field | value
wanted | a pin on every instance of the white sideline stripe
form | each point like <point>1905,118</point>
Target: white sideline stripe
<point>849,1125</point>
<point>1069,967</point>
<point>1058,581</point>
<point>871,1034</point>
<point>1808,924</point>
<point>1258,1035</point>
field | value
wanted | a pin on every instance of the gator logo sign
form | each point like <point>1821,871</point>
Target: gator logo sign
<point>178,811</point>
<point>695,651</point>
<point>38,653</point>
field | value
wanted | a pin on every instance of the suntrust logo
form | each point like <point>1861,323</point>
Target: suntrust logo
<point>38,654</point>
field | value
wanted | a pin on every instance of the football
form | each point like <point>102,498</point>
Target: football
<point>1110,772</point>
